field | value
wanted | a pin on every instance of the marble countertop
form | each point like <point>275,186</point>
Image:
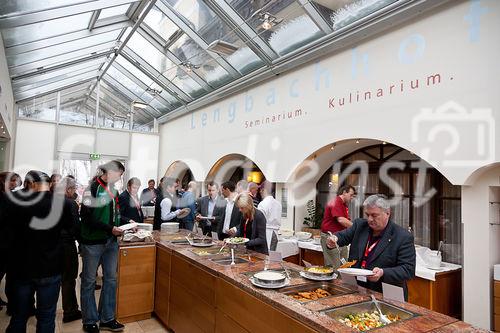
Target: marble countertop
<point>308,313</point>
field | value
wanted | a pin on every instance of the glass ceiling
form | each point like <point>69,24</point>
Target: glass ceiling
<point>165,53</point>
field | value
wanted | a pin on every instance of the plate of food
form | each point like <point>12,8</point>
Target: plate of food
<point>236,240</point>
<point>184,212</point>
<point>205,217</point>
<point>348,264</point>
<point>355,271</point>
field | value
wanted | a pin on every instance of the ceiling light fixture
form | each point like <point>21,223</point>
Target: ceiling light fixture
<point>384,143</point>
<point>333,146</point>
<point>221,47</point>
<point>154,91</point>
<point>268,20</point>
<point>357,141</point>
<point>139,105</point>
<point>189,66</point>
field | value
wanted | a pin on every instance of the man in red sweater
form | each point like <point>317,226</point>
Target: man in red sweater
<point>336,218</point>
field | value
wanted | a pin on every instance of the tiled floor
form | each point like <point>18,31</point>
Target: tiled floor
<point>150,325</point>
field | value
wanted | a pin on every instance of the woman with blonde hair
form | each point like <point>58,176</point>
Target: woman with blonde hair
<point>252,224</point>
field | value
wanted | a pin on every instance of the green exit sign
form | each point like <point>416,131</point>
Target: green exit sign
<point>94,157</point>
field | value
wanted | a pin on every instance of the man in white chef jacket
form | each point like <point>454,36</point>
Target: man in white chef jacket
<point>272,211</point>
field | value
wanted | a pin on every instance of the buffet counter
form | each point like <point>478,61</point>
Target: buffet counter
<point>195,293</point>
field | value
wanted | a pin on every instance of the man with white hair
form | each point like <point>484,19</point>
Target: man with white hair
<point>380,245</point>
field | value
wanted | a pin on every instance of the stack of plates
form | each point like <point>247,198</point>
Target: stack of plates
<point>145,226</point>
<point>148,211</point>
<point>170,227</point>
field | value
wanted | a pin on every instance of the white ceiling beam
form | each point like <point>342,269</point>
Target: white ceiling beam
<point>16,19</point>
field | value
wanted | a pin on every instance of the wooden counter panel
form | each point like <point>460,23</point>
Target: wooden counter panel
<point>162,284</point>
<point>496,305</point>
<point>443,295</point>
<point>253,314</point>
<point>196,280</point>
<point>188,310</point>
<point>496,287</point>
<point>496,323</point>
<point>136,276</point>
<point>224,324</point>
<point>419,292</point>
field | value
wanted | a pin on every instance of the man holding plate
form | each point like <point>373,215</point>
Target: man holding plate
<point>379,245</point>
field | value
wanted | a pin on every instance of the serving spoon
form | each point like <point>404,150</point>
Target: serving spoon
<point>383,318</point>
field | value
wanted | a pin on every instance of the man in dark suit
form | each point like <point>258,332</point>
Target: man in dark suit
<point>380,245</point>
<point>33,226</point>
<point>148,195</point>
<point>205,207</point>
<point>160,190</point>
<point>130,207</point>
<point>228,215</point>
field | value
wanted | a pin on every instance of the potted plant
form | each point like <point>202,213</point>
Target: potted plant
<point>314,218</point>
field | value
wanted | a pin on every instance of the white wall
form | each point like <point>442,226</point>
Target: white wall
<point>39,145</point>
<point>481,247</point>
<point>144,157</point>
<point>34,146</point>
<point>6,96</point>
<point>6,109</point>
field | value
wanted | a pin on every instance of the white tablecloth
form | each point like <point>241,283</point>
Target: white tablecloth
<point>287,247</point>
<point>290,246</point>
<point>310,246</point>
<point>430,274</point>
<point>421,269</point>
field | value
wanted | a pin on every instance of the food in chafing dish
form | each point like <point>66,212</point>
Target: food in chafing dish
<point>203,253</point>
<point>202,240</point>
<point>311,295</point>
<point>348,264</point>
<point>366,320</point>
<point>319,270</point>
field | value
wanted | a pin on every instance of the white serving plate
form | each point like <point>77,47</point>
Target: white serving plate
<point>355,271</point>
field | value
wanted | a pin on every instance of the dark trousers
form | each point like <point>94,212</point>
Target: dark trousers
<point>21,302</point>
<point>68,282</point>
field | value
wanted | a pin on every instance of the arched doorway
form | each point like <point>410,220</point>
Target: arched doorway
<point>424,201</point>
<point>180,170</point>
<point>235,167</point>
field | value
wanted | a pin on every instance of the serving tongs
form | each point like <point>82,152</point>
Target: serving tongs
<point>383,318</point>
<point>223,246</point>
<point>286,270</point>
<point>342,260</point>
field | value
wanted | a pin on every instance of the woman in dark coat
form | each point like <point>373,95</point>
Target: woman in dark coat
<point>252,225</point>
